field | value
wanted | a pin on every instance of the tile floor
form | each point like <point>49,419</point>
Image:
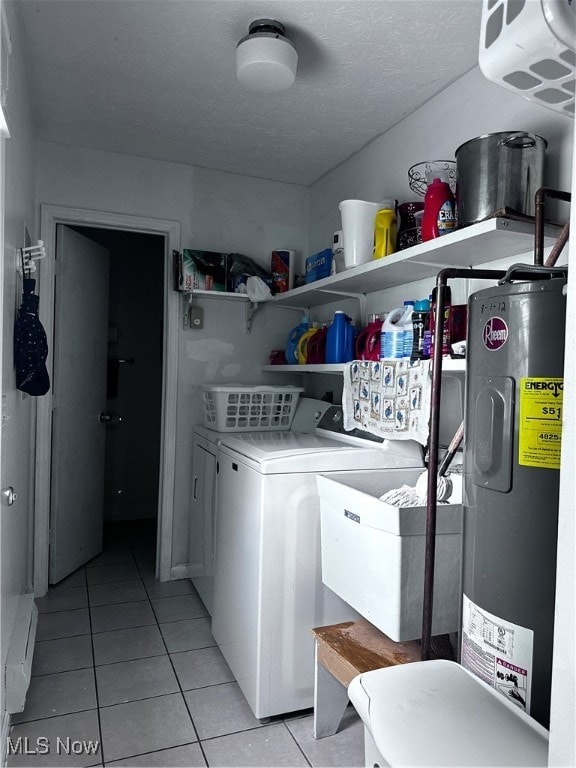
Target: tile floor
<point>125,661</point>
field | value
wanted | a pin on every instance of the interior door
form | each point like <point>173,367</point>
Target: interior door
<point>78,435</point>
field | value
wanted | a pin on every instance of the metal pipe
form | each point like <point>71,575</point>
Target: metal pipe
<point>431,505</point>
<point>539,202</point>
<point>558,246</point>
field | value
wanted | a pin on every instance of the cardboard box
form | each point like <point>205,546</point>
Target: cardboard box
<point>318,265</point>
<point>202,271</point>
<point>373,553</point>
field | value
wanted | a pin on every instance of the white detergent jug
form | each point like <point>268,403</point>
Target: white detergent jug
<point>392,342</point>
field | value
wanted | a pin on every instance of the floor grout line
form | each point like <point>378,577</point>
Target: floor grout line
<point>156,603</point>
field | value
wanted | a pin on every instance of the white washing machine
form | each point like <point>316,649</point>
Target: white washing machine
<point>268,591</point>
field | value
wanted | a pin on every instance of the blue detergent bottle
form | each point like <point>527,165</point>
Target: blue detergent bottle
<point>291,349</point>
<point>340,339</point>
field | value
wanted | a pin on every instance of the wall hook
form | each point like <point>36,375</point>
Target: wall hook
<point>27,257</point>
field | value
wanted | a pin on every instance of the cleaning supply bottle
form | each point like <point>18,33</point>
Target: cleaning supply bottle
<point>303,344</point>
<point>385,229</point>
<point>439,208</point>
<point>420,320</point>
<point>368,341</point>
<point>407,325</point>
<point>293,339</point>
<point>316,348</point>
<point>392,343</point>
<point>446,341</point>
<point>340,339</point>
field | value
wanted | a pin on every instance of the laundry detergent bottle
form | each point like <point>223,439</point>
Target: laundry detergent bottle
<point>340,339</point>
<point>439,208</point>
<point>303,344</point>
<point>291,349</point>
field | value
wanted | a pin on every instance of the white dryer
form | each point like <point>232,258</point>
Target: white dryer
<point>203,502</point>
<point>268,591</point>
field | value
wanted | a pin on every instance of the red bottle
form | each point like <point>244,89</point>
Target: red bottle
<point>439,209</point>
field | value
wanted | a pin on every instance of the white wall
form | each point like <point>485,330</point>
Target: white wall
<point>18,411</point>
<point>471,107</point>
<point>219,212</point>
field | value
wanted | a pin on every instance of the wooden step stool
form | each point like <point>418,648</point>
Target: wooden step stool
<point>342,652</point>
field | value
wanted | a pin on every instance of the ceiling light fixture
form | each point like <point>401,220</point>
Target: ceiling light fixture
<point>266,59</point>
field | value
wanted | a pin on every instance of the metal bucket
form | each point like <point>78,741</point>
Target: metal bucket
<point>496,171</point>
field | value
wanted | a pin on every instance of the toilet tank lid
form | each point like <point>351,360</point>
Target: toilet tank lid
<point>436,713</point>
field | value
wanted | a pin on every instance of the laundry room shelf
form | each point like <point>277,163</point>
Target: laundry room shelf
<point>448,366</point>
<point>480,243</point>
<point>196,293</point>
<point>313,368</point>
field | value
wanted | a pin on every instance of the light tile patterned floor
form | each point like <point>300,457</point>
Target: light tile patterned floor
<point>130,663</point>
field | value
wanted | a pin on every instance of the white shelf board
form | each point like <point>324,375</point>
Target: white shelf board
<point>312,368</point>
<point>215,295</point>
<point>477,244</point>
<point>449,365</point>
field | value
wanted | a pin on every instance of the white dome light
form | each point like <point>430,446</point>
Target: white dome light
<point>266,59</point>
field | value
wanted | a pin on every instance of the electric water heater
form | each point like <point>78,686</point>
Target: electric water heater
<point>513,430</point>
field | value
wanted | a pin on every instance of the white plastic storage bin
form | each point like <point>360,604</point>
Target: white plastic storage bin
<point>373,553</point>
<point>241,408</point>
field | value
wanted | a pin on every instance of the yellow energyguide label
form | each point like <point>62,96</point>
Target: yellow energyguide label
<point>540,430</point>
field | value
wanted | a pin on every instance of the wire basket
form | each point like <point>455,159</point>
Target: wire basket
<point>418,174</point>
<point>244,408</point>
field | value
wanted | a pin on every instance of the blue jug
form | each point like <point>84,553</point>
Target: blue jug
<point>340,339</point>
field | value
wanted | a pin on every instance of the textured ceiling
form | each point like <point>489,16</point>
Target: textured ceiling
<point>156,78</point>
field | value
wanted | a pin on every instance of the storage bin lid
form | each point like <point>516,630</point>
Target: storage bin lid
<point>436,713</point>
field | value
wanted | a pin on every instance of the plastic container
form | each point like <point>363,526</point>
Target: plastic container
<point>407,325</point>
<point>420,324</point>
<point>358,220</point>
<point>368,340</point>
<point>303,342</point>
<point>392,341</point>
<point>446,340</point>
<point>385,230</point>
<point>316,349</point>
<point>293,339</point>
<point>241,408</point>
<point>340,339</point>
<point>439,209</point>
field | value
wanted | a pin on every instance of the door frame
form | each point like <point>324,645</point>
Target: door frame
<point>50,217</point>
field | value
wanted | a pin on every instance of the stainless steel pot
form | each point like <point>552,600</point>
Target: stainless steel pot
<point>498,170</point>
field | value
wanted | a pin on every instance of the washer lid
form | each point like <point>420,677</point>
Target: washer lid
<point>281,452</point>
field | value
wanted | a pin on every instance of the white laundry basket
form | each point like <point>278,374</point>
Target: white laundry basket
<point>528,47</point>
<point>241,408</point>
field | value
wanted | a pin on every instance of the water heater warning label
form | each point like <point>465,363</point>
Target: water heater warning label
<point>498,652</point>
<point>540,429</point>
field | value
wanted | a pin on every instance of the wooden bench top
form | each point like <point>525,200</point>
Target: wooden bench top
<point>352,647</point>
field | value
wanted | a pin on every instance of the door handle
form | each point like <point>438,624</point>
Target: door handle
<point>8,496</point>
<point>110,419</point>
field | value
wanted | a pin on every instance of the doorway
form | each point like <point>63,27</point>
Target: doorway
<point>169,233</point>
<point>133,377</point>
<point>107,422</point>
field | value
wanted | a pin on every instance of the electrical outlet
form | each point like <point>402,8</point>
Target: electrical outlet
<point>196,318</point>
